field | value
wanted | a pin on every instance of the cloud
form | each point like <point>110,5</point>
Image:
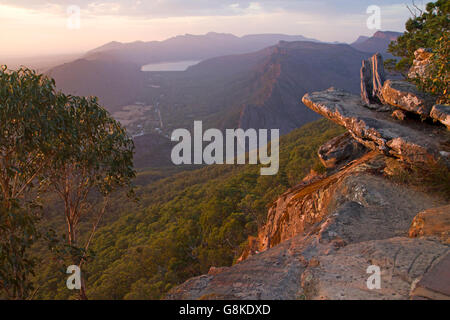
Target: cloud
<point>40,25</point>
<point>185,8</point>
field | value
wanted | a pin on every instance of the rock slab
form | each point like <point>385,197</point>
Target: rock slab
<point>405,95</point>
<point>435,284</point>
<point>340,150</point>
<point>411,141</point>
<point>434,222</point>
<point>441,113</point>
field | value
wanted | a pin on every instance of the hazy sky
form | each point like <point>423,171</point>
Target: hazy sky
<point>34,27</point>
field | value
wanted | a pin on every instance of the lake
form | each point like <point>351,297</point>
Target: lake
<point>169,66</point>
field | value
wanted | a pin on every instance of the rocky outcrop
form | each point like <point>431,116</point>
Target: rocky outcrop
<point>372,79</point>
<point>340,150</point>
<point>323,236</point>
<point>441,113</point>
<point>421,63</point>
<point>434,222</point>
<point>405,95</point>
<point>351,195</point>
<point>413,141</point>
<point>320,238</point>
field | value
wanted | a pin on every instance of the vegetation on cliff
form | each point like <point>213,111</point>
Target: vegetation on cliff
<point>427,29</point>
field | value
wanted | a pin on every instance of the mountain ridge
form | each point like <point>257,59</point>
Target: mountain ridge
<point>187,47</point>
<point>259,89</point>
<point>378,42</point>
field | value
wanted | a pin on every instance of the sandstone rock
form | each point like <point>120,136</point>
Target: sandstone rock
<point>411,141</point>
<point>314,262</point>
<point>394,166</point>
<point>399,114</point>
<point>321,235</point>
<point>421,63</point>
<point>298,210</point>
<point>311,177</point>
<point>432,222</point>
<point>320,238</point>
<point>216,270</point>
<point>251,249</point>
<point>404,95</point>
<point>435,284</point>
<point>270,275</point>
<point>372,79</point>
<point>340,150</point>
<point>441,113</point>
<point>343,274</point>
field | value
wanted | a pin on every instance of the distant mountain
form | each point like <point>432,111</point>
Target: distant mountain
<point>262,89</point>
<point>113,45</point>
<point>360,39</point>
<point>266,88</point>
<point>379,42</point>
<point>187,47</point>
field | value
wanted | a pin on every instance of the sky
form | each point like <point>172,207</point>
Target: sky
<point>43,27</point>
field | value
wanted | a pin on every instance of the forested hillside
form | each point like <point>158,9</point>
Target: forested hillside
<point>183,224</point>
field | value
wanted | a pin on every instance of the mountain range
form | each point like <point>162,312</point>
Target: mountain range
<point>187,47</point>
<point>254,81</point>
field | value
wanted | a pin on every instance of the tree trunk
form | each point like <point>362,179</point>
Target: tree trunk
<point>83,295</point>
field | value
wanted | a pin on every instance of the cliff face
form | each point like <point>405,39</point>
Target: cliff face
<point>323,234</point>
<point>289,71</point>
<point>320,238</point>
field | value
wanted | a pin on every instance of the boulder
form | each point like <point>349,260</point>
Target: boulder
<point>441,113</point>
<point>411,141</point>
<point>404,95</point>
<point>421,63</point>
<point>340,150</point>
<point>372,79</point>
<point>433,222</point>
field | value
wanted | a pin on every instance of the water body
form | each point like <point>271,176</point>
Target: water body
<point>169,66</point>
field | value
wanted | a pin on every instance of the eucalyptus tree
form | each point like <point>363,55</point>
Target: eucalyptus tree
<point>31,122</point>
<point>423,30</point>
<point>429,28</point>
<point>94,159</point>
